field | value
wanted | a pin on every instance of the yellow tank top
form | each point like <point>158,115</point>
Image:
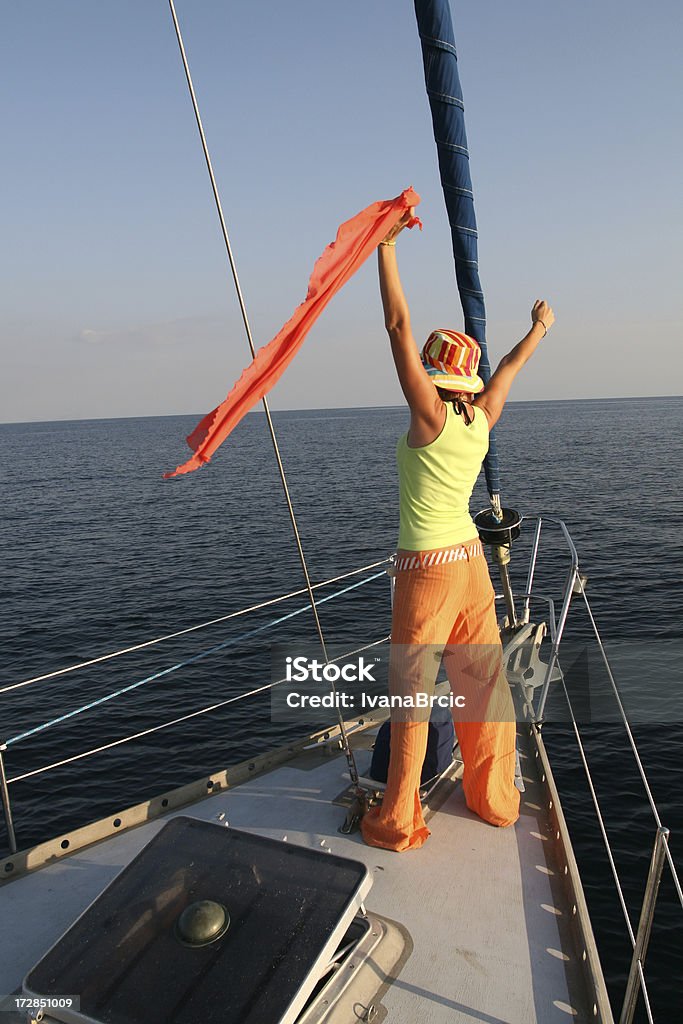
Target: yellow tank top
<point>436,483</point>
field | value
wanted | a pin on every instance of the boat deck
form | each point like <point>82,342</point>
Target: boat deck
<point>484,907</point>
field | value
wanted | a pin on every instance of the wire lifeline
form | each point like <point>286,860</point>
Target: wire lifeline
<point>627,724</point>
<point>182,664</point>
<point>646,996</point>
<point>596,804</point>
<point>175,721</point>
<point>541,517</point>
<point>189,629</point>
<point>347,749</point>
<point>636,753</point>
<point>582,751</point>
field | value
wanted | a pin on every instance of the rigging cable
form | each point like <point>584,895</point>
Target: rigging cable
<point>351,761</point>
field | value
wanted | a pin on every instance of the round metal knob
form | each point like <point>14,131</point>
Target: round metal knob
<point>498,534</point>
<point>202,922</point>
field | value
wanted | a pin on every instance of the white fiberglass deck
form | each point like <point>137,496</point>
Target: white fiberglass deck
<point>483,906</point>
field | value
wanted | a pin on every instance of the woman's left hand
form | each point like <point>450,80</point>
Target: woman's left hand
<point>543,313</point>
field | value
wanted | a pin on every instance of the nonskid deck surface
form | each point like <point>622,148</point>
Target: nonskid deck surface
<point>483,906</point>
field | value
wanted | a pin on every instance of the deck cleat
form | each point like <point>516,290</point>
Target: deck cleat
<point>354,815</point>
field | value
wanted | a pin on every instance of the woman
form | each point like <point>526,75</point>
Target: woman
<point>443,598</point>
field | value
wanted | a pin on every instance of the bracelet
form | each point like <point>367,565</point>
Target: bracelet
<point>539,321</point>
<point>387,243</point>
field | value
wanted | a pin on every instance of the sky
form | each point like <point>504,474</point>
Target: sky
<point>117,298</point>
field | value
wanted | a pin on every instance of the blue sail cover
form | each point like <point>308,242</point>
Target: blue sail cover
<point>445,99</point>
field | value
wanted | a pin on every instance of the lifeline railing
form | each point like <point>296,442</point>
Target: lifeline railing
<point>575,586</point>
<point>27,734</point>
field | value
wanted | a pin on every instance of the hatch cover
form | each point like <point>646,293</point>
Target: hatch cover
<point>128,957</point>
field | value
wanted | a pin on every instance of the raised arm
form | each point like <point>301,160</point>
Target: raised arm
<point>493,397</point>
<point>427,411</point>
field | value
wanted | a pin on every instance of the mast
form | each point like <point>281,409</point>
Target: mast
<point>444,91</point>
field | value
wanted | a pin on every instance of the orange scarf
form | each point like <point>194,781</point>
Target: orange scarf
<point>355,240</point>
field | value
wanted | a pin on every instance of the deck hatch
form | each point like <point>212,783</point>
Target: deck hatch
<point>289,907</point>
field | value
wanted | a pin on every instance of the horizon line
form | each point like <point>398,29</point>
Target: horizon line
<point>324,408</point>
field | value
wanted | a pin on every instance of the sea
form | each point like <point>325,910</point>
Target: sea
<point>100,554</point>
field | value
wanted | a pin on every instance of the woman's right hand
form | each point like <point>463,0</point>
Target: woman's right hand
<point>543,312</point>
<point>392,235</point>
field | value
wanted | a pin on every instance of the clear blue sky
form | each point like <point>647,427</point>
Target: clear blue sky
<point>116,295</point>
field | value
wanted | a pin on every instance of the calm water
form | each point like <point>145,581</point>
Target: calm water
<point>99,552</point>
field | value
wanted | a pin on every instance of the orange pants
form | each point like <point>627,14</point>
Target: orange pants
<point>447,608</point>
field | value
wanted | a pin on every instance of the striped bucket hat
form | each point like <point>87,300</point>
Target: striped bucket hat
<point>451,359</point>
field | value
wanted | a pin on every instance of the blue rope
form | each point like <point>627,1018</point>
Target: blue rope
<point>183,664</point>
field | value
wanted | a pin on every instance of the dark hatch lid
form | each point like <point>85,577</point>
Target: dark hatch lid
<point>288,907</point>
